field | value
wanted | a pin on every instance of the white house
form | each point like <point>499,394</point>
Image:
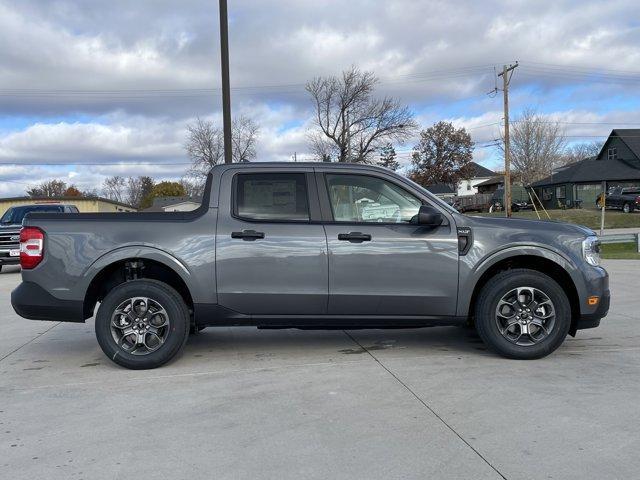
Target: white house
<point>174,204</point>
<point>479,174</point>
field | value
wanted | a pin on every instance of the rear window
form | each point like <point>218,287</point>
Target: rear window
<point>272,196</point>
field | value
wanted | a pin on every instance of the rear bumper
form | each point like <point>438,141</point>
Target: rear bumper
<point>31,301</point>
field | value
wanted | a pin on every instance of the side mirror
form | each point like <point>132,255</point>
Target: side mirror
<point>428,216</point>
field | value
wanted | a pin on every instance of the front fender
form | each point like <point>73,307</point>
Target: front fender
<point>470,274</point>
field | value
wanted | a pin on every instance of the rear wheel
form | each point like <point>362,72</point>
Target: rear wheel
<point>523,314</point>
<point>142,324</point>
<point>627,208</point>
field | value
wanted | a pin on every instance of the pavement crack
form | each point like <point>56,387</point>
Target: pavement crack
<point>32,340</point>
<point>424,404</point>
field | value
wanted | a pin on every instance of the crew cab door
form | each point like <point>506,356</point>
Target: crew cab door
<point>379,263</point>
<point>271,249</point>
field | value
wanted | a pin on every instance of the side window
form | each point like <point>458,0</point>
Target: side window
<point>272,196</point>
<point>365,199</point>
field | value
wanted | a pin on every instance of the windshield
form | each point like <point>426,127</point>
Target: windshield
<point>15,215</point>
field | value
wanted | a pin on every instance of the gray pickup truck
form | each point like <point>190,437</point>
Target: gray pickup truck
<point>313,245</point>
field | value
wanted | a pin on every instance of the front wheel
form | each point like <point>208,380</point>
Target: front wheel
<point>142,324</point>
<point>522,314</point>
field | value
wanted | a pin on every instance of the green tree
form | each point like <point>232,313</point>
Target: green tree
<point>163,189</point>
<point>443,155</point>
<point>388,157</point>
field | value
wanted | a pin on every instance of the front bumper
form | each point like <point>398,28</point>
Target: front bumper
<point>31,301</point>
<point>5,259</point>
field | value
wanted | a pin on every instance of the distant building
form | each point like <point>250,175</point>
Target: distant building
<point>84,204</point>
<point>441,190</point>
<point>174,204</point>
<point>479,174</point>
<point>617,165</point>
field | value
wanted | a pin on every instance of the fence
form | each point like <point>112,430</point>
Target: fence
<point>622,238</point>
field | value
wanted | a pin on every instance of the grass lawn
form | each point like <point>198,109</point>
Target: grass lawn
<point>587,217</point>
<point>627,251</point>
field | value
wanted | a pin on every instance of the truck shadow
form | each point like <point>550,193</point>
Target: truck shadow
<point>269,343</point>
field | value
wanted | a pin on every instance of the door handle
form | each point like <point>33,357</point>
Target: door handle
<point>355,237</point>
<point>248,235</point>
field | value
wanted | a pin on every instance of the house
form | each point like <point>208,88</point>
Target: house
<point>174,204</point>
<point>84,204</point>
<point>441,190</point>
<point>617,165</point>
<point>491,185</point>
<point>479,174</point>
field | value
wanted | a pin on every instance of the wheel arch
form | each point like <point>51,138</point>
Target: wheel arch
<point>134,263</point>
<point>550,264</point>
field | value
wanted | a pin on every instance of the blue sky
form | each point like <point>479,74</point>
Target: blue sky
<point>82,86</point>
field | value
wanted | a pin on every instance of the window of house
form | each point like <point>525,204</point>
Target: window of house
<point>272,196</point>
<point>612,154</point>
<point>468,186</point>
<point>364,199</point>
<point>561,192</point>
<point>547,193</point>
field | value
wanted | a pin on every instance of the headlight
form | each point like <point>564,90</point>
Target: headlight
<point>591,250</point>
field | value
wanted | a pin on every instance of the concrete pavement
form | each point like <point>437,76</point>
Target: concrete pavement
<point>246,404</point>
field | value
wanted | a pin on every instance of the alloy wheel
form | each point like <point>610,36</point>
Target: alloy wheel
<point>140,325</point>
<point>525,316</point>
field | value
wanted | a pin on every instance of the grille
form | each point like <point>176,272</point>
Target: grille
<point>5,239</point>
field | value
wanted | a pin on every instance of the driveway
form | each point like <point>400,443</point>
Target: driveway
<point>243,403</point>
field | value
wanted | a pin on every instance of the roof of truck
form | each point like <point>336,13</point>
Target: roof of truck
<point>249,165</point>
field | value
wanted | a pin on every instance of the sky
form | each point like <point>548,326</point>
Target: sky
<point>90,89</point>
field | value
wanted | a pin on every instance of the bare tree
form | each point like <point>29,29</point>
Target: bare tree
<point>194,187</point>
<point>443,155</point>
<point>351,118</point>
<point>138,188</point>
<point>537,145</point>
<point>205,144</point>
<point>580,151</point>
<point>114,188</point>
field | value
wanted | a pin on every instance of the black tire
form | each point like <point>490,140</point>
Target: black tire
<point>627,208</point>
<point>0,268</point>
<point>500,285</point>
<point>176,334</point>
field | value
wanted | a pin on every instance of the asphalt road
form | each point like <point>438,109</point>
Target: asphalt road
<point>243,403</point>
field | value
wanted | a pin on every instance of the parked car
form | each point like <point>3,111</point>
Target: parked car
<point>10,224</point>
<point>625,199</point>
<point>285,245</point>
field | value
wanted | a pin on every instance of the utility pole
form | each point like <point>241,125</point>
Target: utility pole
<point>226,89</point>
<point>295,156</point>
<point>507,72</point>
<point>348,138</point>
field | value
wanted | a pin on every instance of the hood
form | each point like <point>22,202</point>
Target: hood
<point>10,226</point>
<point>524,224</point>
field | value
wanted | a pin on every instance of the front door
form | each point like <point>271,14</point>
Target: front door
<point>379,263</point>
<point>271,258</point>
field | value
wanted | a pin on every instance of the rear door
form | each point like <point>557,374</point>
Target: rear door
<point>271,249</point>
<point>379,263</point>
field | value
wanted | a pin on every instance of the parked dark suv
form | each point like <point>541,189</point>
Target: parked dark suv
<point>10,225</point>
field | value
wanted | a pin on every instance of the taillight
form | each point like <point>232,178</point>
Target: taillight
<point>31,247</point>
<point>638,200</point>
